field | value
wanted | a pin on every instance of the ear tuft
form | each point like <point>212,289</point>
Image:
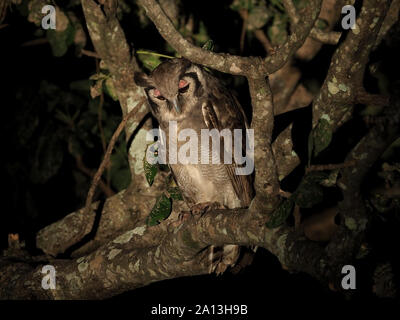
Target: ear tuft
<point>142,80</point>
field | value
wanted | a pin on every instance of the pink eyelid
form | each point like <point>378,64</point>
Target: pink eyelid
<point>157,92</point>
<point>182,84</point>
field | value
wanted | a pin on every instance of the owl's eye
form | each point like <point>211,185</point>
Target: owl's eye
<point>158,95</point>
<point>183,86</point>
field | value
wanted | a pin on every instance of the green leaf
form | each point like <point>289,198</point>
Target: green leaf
<point>309,193</point>
<point>149,59</point>
<point>150,170</point>
<point>202,35</point>
<point>63,117</point>
<point>96,89</point>
<point>98,76</point>
<point>110,89</point>
<point>322,136</point>
<point>209,45</point>
<point>300,4</point>
<point>161,210</point>
<point>238,5</point>
<point>321,24</point>
<point>60,40</point>
<point>258,17</point>
<point>281,213</point>
<point>278,4</point>
<point>330,181</point>
<point>175,193</point>
<point>277,32</point>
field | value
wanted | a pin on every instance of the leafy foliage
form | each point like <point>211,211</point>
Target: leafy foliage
<point>161,210</point>
<point>150,60</point>
<point>308,194</point>
<point>150,170</point>
<point>321,137</point>
<point>163,206</point>
<point>54,127</point>
<point>60,40</point>
<point>281,213</point>
<point>175,193</point>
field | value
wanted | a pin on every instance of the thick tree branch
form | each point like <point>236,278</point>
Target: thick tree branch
<point>329,37</point>
<point>143,255</point>
<point>330,12</point>
<point>346,72</point>
<point>266,179</point>
<point>109,41</point>
<point>245,66</point>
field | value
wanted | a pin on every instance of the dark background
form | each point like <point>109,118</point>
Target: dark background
<point>29,203</point>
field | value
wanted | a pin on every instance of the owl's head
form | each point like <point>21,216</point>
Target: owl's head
<point>172,87</point>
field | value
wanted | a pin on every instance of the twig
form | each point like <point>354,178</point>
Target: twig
<point>107,155</point>
<point>100,124</point>
<point>90,54</point>
<point>244,13</point>
<point>100,114</point>
<point>291,11</point>
<point>321,167</point>
<point>364,97</point>
<point>34,42</point>
<point>81,166</point>
<point>331,37</point>
<point>260,35</point>
<point>154,54</point>
<point>254,67</point>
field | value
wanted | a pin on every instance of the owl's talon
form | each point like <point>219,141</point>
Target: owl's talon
<point>184,216</point>
<point>222,258</point>
<point>200,209</point>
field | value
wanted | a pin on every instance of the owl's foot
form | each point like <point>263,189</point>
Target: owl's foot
<point>182,217</point>
<point>201,208</point>
<point>223,257</point>
<point>196,211</point>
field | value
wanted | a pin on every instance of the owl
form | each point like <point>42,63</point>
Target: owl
<point>180,91</point>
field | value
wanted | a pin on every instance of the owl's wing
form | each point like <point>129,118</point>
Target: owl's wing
<point>223,111</point>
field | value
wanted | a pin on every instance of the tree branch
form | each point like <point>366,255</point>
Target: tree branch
<point>329,37</point>
<point>110,44</point>
<point>246,66</point>
<point>346,72</point>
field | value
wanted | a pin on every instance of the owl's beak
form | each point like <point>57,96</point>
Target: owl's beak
<point>176,105</point>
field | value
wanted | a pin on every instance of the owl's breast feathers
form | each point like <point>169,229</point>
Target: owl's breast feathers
<point>214,182</point>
